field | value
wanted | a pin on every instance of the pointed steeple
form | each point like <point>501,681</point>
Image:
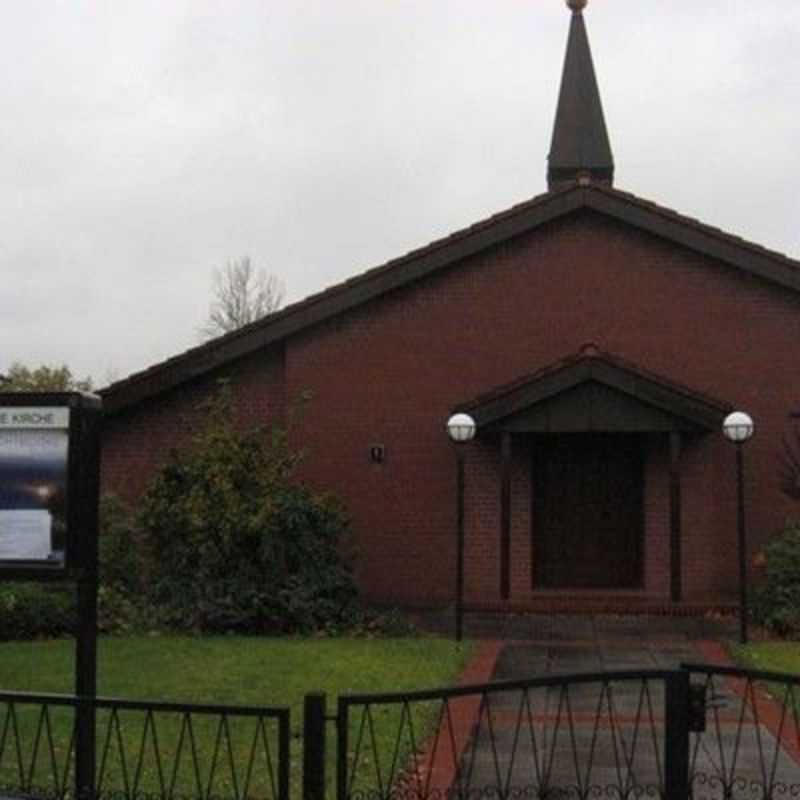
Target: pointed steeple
<point>580,150</point>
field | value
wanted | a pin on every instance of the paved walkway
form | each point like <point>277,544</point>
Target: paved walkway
<point>558,644</point>
<point>584,628</point>
<point>602,736</point>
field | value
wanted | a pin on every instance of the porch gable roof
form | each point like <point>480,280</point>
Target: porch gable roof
<point>595,391</point>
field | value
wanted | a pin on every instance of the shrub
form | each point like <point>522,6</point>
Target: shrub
<point>122,605</point>
<point>33,610</point>
<point>385,623</point>
<point>235,544</point>
<point>777,600</point>
<point>224,541</point>
<point>120,548</point>
<point>39,610</point>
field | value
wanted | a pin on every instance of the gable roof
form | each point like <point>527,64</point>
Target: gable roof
<point>503,227</point>
<point>595,390</point>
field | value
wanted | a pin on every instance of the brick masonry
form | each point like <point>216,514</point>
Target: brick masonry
<point>391,371</point>
<point>136,443</point>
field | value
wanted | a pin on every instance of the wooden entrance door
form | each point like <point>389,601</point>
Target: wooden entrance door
<point>588,521</point>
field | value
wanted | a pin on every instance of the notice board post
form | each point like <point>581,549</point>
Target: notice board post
<point>88,466</point>
<point>49,490</point>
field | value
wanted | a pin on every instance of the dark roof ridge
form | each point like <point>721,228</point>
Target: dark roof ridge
<point>329,291</point>
<point>714,230</point>
<point>392,274</point>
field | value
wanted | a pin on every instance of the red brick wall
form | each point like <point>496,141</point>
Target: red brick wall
<point>391,371</point>
<point>136,442</point>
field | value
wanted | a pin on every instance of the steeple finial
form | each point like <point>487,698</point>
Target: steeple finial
<point>580,150</point>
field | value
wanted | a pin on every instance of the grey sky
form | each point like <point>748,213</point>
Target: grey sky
<point>145,143</point>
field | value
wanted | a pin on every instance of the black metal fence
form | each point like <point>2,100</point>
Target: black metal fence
<point>144,749</point>
<point>700,732</point>
<point>620,734</point>
<point>750,747</point>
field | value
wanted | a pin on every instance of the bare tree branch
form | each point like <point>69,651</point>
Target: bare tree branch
<point>241,295</point>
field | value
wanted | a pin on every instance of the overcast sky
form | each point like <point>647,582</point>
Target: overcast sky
<point>145,143</point>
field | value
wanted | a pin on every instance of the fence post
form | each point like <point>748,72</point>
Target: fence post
<point>314,746</point>
<point>676,736</point>
<point>284,748</point>
<point>86,679</point>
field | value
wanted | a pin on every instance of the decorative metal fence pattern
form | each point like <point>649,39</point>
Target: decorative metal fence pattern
<point>144,749</point>
<point>578,736</point>
<point>751,745</point>
<point>700,732</point>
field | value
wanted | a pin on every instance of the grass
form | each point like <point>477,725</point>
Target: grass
<point>773,657</point>
<point>229,670</point>
<point>769,656</point>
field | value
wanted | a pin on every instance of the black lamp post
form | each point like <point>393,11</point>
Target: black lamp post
<point>460,429</point>
<point>738,428</point>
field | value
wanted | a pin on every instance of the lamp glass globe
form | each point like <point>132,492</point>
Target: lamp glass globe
<point>461,427</point>
<point>738,427</point>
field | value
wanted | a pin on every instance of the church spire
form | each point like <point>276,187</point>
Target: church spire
<point>580,150</point>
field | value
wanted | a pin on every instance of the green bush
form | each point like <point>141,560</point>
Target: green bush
<point>235,544</point>
<point>33,610</point>
<point>123,603</point>
<point>121,558</point>
<point>224,541</point>
<point>121,613</point>
<point>777,599</point>
<point>40,610</point>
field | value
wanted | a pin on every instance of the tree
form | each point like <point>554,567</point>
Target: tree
<point>242,294</point>
<point>44,378</point>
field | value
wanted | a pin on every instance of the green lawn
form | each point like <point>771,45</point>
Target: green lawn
<point>782,657</point>
<point>770,656</point>
<point>228,670</point>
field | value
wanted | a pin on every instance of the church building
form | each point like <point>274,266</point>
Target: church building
<point>597,338</point>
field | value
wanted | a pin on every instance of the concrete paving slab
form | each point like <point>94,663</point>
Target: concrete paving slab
<point>572,627</point>
<point>541,625</point>
<point>610,738</point>
<point>672,656</point>
<point>522,659</point>
<point>566,627</point>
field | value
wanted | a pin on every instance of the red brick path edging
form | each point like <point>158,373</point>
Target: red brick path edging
<point>444,749</point>
<point>769,712</point>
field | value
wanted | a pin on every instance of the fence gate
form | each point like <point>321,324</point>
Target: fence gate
<point>621,734</point>
<point>700,732</point>
<point>144,750</point>
<point>750,747</point>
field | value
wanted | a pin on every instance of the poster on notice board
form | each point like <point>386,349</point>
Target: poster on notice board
<point>34,444</point>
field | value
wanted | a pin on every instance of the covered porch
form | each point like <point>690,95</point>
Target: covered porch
<point>577,487</point>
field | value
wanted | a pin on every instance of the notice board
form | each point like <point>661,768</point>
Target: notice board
<point>48,461</point>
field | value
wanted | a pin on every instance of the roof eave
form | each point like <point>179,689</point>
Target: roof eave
<point>340,298</point>
<point>200,361</point>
